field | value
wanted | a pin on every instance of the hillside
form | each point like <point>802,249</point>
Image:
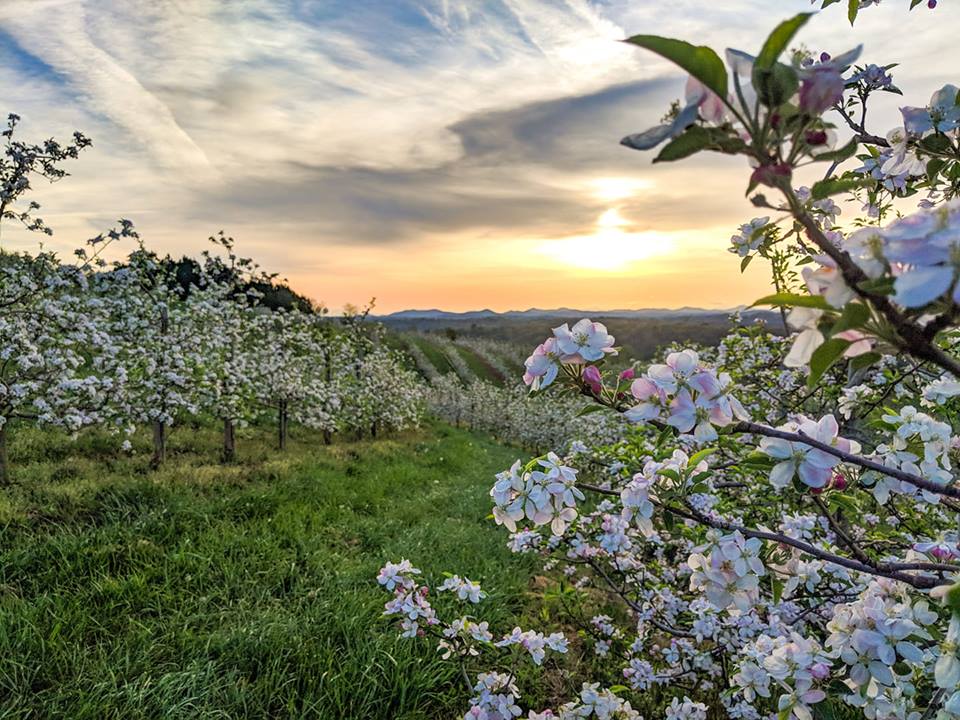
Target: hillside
<point>639,332</point>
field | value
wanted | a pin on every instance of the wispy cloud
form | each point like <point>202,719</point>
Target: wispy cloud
<point>318,132</point>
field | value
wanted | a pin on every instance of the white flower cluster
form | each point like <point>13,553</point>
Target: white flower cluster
<point>545,496</point>
<point>684,393</point>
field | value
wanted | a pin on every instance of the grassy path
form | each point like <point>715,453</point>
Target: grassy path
<point>247,591</point>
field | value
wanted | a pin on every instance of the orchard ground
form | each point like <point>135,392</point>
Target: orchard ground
<point>246,590</point>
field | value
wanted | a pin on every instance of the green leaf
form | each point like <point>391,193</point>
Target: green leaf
<point>825,356</point>
<point>855,315</point>
<point>952,598</point>
<point>794,300</point>
<point>936,143</point>
<point>838,156</point>
<point>745,262</point>
<point>672,474</point>
<point>691,141</point>
<point>878,286</point>
<point>701,455</point>
<point>778,40</point>
<point>833,186</point>
<point>853,7</point>
<point>914,3</point>
<point>669,521</point>
<point>697,138</point>
<point>590,409</point>
<point>698,60</point>
<point>775,85</point>
<point>757,460</point>
<point>844,501</point>
<point>865,360</point>
<point>778,586</point>
<point>934,167</point>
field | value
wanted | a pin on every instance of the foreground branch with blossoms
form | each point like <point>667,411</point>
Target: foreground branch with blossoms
<point>777,533</point>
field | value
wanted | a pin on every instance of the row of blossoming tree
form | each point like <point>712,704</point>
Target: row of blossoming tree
<point>777,536</point>
<point>133,344</point>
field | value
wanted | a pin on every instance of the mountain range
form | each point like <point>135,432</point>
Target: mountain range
<point>533,313</point>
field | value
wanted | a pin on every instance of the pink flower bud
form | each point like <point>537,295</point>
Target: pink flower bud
<point>591,376</point>
<point>839,482</point>
<point>940,552</point>
<point>820,90</point>
<point>627,374</point>
<point>820,671</point>
<point>815,137</point>
<point>772,175</point>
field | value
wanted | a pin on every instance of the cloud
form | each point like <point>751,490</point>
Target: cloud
<point>55,32</point>
<point>321,133</point>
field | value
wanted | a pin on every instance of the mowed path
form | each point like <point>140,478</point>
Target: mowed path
<point>202,591</point>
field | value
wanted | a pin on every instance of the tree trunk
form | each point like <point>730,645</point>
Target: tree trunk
<point>229,441</point>
<point>282,423</point>
<point>327,437</point>
<point>4,465</point>
<point>159,444</point>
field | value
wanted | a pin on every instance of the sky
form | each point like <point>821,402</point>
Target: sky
<point>430,153</point>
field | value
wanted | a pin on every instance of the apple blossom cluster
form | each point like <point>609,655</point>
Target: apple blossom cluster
<point>686,395</point>
<point>495,694</point>
<point>546,495</point>
<point>128,345</point>
<point>51,349</point>
<point>568,348</point>
<point>776,534</point>
<point>727,569</point>
<point>535,421</point>
<point>813,466</point>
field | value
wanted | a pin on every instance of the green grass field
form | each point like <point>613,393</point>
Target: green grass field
<point>434,354</point>
<point>208,591</point>
<point>480,367</point>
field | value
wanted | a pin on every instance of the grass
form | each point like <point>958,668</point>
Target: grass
<point>208,591</point>
<point>479,366</point>
<point>434,354</point>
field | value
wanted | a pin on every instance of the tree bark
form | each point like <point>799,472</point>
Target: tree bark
<point>4,465</point>
<point>327,437</point>
<point>229,441</point>
<point>282,423</point>
<point>159,444</point>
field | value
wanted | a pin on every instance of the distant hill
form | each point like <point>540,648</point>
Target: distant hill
<point>570,313</point>
<point>639,332</point>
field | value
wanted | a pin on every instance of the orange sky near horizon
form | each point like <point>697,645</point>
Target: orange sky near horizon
<point>451,154</point>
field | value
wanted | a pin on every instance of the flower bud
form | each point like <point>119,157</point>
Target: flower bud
<point>772,175</point>
<point>820,90</point>
<point>627,374</point>
<point>839,482</point>
<point>820,671</point>
<point>591,376</point>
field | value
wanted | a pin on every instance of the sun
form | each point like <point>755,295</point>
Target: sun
<point>611,247</point>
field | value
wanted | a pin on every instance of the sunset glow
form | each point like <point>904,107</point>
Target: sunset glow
<point>611,247</point>
<point>429,154</point>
